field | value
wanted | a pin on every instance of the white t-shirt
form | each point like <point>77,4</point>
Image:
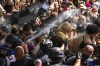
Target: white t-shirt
<point>9,61</point>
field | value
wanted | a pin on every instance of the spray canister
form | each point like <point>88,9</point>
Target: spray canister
<point>91,62</point>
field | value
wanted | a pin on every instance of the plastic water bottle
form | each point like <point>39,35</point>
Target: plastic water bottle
<point>91,62</point>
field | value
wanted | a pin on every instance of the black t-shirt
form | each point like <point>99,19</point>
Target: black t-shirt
<point>23,62</point>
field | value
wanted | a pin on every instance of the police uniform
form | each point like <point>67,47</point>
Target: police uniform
<point>56,55</point>
<point>45,48</point>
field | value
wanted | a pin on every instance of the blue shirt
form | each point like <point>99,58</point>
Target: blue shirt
<point>6,51</point>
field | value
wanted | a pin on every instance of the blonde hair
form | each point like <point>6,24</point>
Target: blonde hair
<point>65,27</point>
<point>61,35</point>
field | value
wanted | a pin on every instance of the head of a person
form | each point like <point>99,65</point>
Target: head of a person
<point>82,7</point>
<point>88,50</point>
<point>56,5</point>
<point>40,38</point>
<point>56,54</point>
<point>64,4</point>
<point>22,34</point>
<point>61,35</point>
<point>5,30</point>
<point>82,19</point>
<point>66,27</point>
<point>13,41</point>
<point>46,46</point>
<point>28,29</point>
<point>19,53</point>
<point>51,34</point>
<point>94,9</point>
<point>15,30</point>
<point>92,30</point>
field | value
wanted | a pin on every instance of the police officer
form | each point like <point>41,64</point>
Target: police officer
<point>45,48</point>
<point>58,58</point>
<point>43,52</point>
<point>56,55</point>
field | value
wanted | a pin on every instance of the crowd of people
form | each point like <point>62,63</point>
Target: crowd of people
<point>60,35</point>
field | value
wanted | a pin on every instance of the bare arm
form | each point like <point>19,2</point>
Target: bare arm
<point>78,62</point>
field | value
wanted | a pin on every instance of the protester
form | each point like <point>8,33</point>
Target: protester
<point>21,4</point>
<point>8,7</point>
<point>21,59</point>
<point>2,18</point>
<point>51,32</point>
